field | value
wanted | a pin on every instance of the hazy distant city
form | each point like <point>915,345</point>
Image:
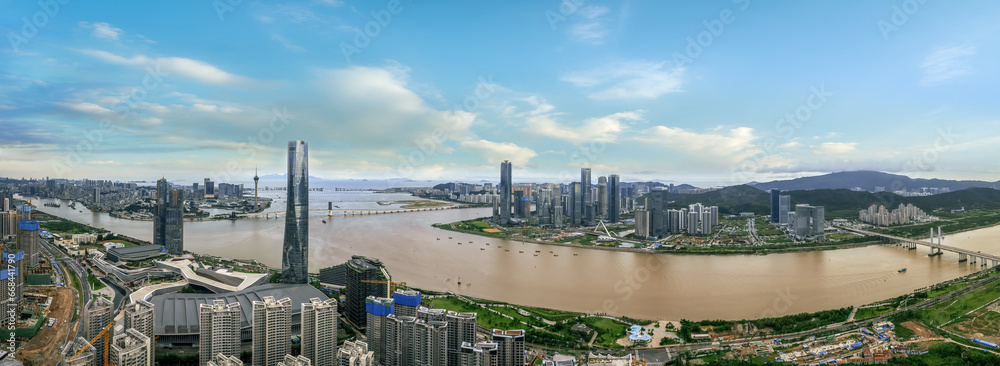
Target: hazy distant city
<point>561,182</point>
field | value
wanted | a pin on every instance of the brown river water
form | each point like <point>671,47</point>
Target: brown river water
<point>638,285</point>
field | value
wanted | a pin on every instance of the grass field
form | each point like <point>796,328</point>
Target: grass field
<point>608,331</point>
<point>943,290</point>
<point>951,309</point>
<point>553,315</point>
<point>872,312</point>
<point>95,284</point>
<point>981,324</point>
<point>484,317</point>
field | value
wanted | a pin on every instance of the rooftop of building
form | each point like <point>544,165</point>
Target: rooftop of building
<point>177,313</point>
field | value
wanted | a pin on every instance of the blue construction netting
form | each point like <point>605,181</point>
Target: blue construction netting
<point>406,299</point>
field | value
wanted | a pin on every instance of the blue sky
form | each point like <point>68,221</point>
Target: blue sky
<point>709,93</point>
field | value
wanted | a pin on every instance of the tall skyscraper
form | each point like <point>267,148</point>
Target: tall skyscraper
<point>272,326</point>
<point>511,347</point>
<point>810,221</point>
<point>576,204</point>
<point>168,218</point>
<point>219,330</point>
<point>506,185</point>
<point>320,322</point>
<point>614,199</point>
<point>141,316</point>
<point>784,203</point>
<point>775,203</point>
<point>359,270</point>
<point>131,348</point>
<point>295,254</point>
<point>602,196</point>
<point>209,188</point>
<point>97,315</point>
<point>587,203</point>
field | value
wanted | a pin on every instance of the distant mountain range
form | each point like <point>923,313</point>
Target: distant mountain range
<point>838,203</point>
<point>868,181</point>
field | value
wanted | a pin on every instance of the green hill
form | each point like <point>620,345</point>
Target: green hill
<point>839,203</point>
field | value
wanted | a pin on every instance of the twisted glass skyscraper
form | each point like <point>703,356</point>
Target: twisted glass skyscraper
<point>295,251</point>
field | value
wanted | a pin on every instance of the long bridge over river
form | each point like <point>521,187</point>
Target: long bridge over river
<point>935,248</point>
<point>352,211</point>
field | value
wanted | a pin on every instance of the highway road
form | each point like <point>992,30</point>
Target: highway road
<point>57,256</point>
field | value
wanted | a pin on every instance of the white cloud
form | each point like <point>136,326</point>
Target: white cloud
<point>946,64</point>
<point>287,43</point>
<point>495,152</point>
<point>103,30</point>
<point>834,148</point>
<point>86,107</point>
<point>104,162</point>
<point>590,27</point>
<point>737,144</point>
<point>192,69</point>
<point>590,31</point>
<point>604,129</point>
<point>629,80</point>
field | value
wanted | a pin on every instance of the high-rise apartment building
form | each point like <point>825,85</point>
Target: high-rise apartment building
<point>378,310</point>
<point>359,272</point>
<point>320,324</point>
<point>614,199</point>
<point>27,238</point>
<point>209,188</point>
<point>272,325</point>
<point>461,329</point>
<point>141,316</point>
<point>784,203</point>
<point>98,314</point>
<point>355,353</point>
<point>219,330</point>
<point>407,302</point>
<point>295,252</point>
<point>131,348</point>
<point>775,203</point>
<point>223,360</point>
<point>642,223</point>
<point>587,198</point>
<point>510,344</point>
<point>290,360</point>
<point>12,278</point>
<point>479,354</point>
<point>506,186</point>
<point>168,218</point>
<point>86,358</point>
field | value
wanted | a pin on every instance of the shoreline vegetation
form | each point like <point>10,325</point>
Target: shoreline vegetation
<point>719,250</point>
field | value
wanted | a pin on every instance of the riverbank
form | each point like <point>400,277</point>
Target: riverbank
<point>686,250</point>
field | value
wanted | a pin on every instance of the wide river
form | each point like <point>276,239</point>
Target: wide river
<point>639,285</point>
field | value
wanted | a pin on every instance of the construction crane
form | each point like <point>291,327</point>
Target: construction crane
<point>91,342</point>
<point>391,283</point>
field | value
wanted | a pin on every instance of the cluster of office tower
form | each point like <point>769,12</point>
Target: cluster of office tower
<point>556,205</point>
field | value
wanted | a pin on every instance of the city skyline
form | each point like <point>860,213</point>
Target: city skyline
<point>646,107</point>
